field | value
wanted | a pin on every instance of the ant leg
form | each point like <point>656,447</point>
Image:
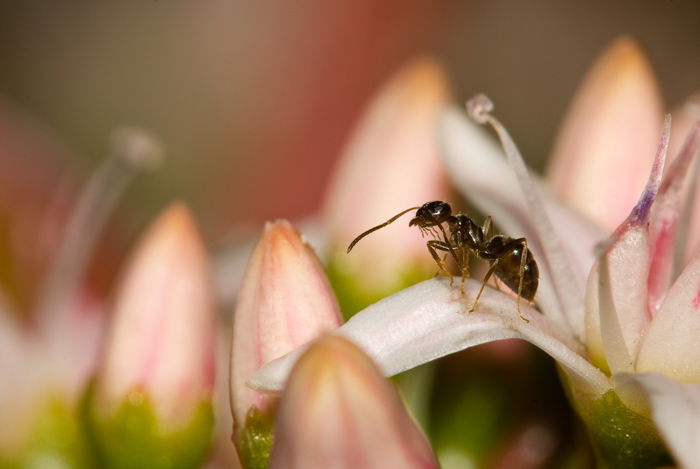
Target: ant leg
<point>487,228</point>
<point>433,246</point>
<point>464,266</point>
<point>483,284</point>
<point>447,243</point>
<point>521,274</point>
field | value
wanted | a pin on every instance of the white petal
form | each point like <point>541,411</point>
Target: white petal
<point>430,320</point>
<point>675,408</point>
<point>621,283</point>
<point>671,344</point>
<point>666,213</point>
<point>620,279</point>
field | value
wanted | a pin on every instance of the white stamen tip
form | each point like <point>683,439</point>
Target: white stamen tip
<point>479,108</point>
<point>137,147</point>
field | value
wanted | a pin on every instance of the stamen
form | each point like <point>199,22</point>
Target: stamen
<point>133,150</point>
<point>568,293</point>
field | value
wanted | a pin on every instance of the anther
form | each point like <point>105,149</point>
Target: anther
<point>137,147</point>
<point>479,108</point>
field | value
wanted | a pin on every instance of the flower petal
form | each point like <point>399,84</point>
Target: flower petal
<point>390,164</point>
<point>162,340</point>
<point>675,408</point>
<point>350,415</point>
<point>664,223</point>
<point>616,321</point>
<point>430,320</point>
<point>285,301</point>
<point>671,344</point>
<point>610,130</point>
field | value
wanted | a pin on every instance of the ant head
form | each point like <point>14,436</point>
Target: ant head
<point>431,214</point>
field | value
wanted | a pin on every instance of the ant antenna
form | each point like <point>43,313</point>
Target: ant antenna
<point>372,230</point>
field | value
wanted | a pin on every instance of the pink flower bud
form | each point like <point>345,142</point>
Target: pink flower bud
<point>611,129</point>
<point>391,163</point>
<point>339,411</point>
<point>284,302</point>
<point>161,343</point>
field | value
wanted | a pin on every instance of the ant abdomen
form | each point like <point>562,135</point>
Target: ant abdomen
<point>508,270</point>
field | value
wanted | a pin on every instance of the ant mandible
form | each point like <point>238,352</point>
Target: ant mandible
<point>509,259</point>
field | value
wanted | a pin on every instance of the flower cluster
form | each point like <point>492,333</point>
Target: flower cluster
<point>168,372</point>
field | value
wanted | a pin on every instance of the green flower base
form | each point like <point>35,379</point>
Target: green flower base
<point>135,438</point>
<point>255,441</point>
<point>54,440</point>
<point>354,294</point>
<point>621,437</point>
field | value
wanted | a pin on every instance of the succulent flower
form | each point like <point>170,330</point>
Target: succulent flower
<point>50,314</point>
<point>623,339</point>
<point>390,163</point>
<point>339,411</point>
<point>151,404</point>
<point>285,301</point>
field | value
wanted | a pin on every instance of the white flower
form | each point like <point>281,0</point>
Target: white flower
<point>606,312</point>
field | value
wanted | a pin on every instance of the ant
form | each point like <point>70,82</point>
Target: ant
<point>458,235</point>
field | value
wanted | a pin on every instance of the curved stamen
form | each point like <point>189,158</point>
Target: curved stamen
<point>569,294</point>
<point>133,150</point>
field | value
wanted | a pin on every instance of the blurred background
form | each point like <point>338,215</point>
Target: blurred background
<point>254,100</point>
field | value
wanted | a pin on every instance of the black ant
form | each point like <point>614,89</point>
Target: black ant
<point>509,258</point>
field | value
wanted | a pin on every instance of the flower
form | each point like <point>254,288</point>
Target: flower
<point>625,342</point>
<point>51,313</point>
<point>285,301</point>
<point>158,364</point>
<point>390,163</point>
<point>350,415</point>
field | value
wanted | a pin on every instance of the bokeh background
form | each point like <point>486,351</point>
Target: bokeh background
<point>254,100</point>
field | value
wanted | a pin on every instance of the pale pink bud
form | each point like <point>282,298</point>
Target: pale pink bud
<point>611,129</point>
<point>391,163</point>
<point>162,341</point>
<point>338,411</point>
<point>284,302</point>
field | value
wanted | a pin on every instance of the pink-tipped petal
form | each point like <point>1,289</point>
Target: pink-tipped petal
<point>675,409</point>
<point>162,341</point>
<point>285,301</point>
<point>671,344</point>
<point>430,320</point>
<point>664,224</point>
<point>390,164</point>
<point>610,130</point>
<point>685,119</point>
<point>619,280</point>
<point>338,411</point>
